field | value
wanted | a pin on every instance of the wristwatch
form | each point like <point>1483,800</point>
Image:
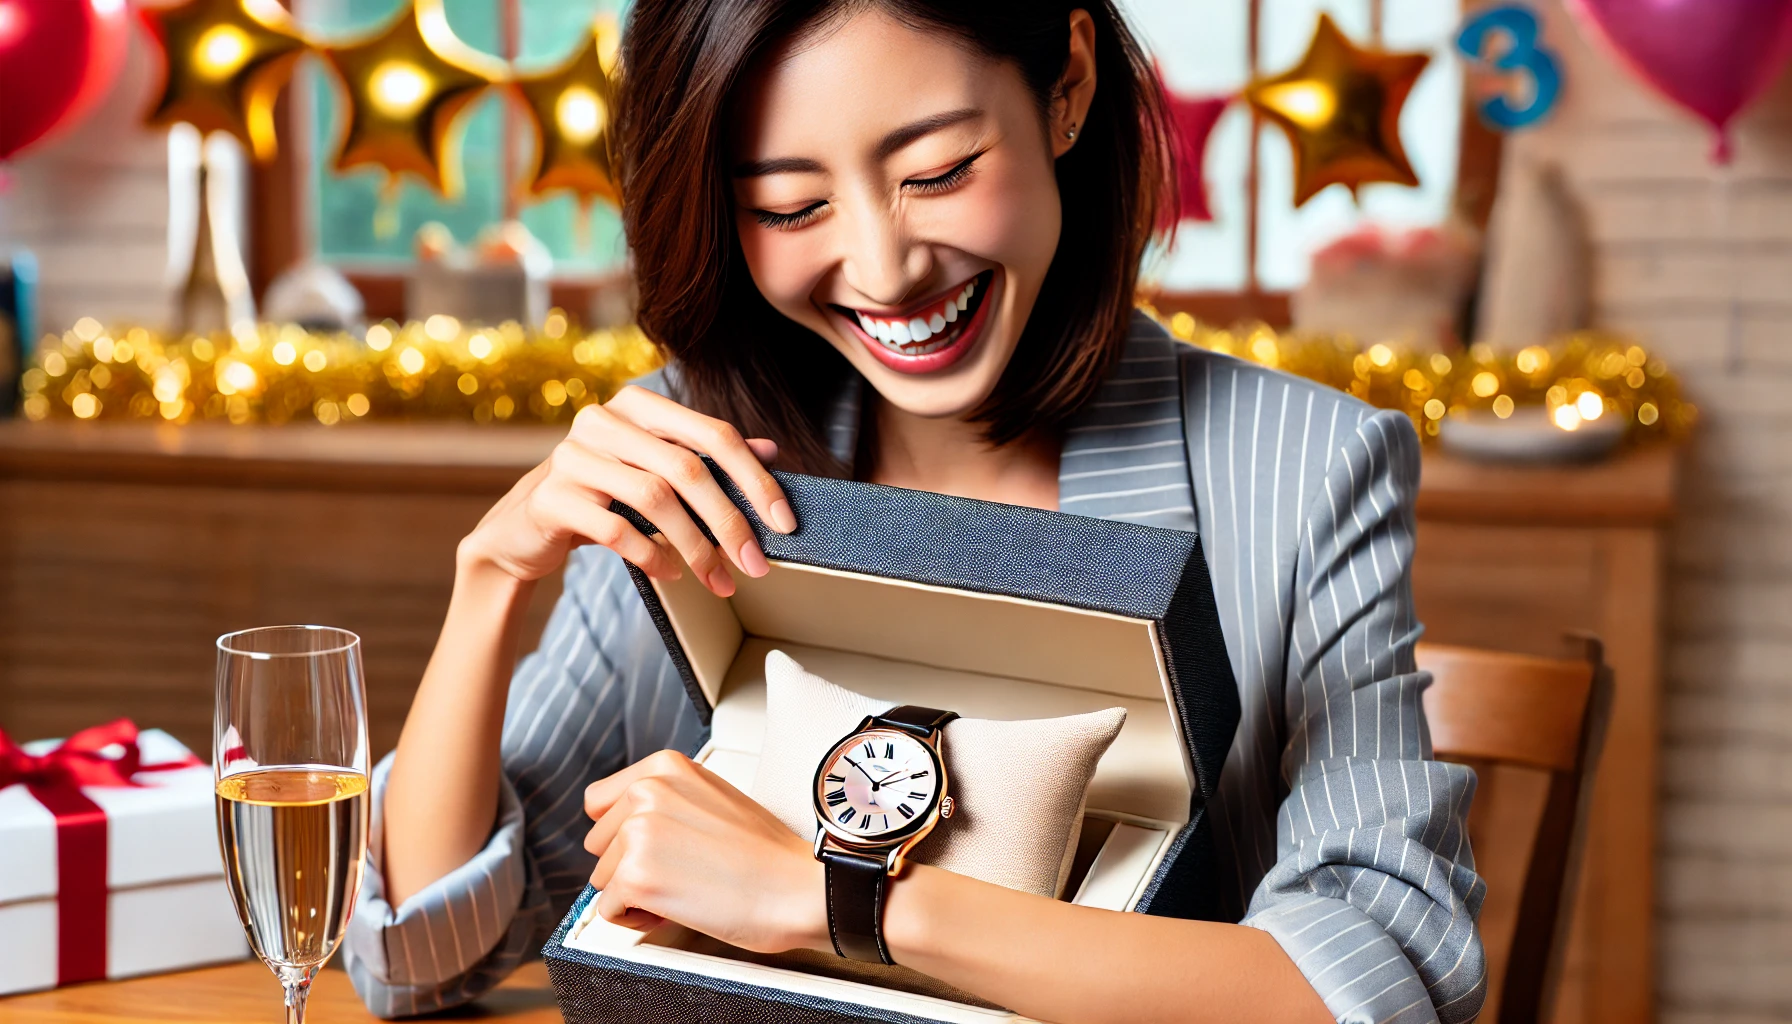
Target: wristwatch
<point>878,792</point>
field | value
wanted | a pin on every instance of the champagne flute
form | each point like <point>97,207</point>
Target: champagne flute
<point>290,763</point>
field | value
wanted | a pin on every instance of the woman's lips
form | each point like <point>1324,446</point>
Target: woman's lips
<point>930,338</point>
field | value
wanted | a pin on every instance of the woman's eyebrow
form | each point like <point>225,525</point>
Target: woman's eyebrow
<point>887,145</point>
<point>926,126</point>
<point>781,165</point>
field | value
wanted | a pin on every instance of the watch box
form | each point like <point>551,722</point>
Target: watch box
<point>993,611</point>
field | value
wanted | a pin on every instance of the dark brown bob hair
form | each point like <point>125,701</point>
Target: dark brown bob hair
<point>682,62</point>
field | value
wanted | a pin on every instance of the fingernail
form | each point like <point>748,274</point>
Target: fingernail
<point>783,519</point>
<point>753,560</point>
<point>721,581</point>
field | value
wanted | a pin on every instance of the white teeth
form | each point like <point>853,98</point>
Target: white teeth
<point>898,334</point>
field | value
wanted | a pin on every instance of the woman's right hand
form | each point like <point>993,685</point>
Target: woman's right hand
<point>638,448</point>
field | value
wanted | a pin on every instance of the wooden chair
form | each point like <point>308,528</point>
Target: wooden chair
<point>1532,728</point>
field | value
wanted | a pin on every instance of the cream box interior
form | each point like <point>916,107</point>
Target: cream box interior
<point>982,655</point>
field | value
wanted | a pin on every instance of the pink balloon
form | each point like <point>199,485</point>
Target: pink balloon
<point>1712,57</point>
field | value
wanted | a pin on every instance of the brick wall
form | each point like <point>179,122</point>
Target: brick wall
<point>92,205</point>
<point>1697,261</point>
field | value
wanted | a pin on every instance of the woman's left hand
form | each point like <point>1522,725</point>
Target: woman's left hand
<point>675,842</point>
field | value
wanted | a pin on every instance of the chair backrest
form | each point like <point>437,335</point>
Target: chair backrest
<point>1515,715</point>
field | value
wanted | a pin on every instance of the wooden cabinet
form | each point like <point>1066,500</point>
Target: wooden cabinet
<point>1510,558</point>
<point>125,550</point>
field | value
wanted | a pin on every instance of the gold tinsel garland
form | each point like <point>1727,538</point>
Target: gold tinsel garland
<point>435,370</point>
<point>1582,377</point>
<point>442,370</point>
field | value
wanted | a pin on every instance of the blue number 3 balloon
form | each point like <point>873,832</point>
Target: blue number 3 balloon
<point>1522,54</point>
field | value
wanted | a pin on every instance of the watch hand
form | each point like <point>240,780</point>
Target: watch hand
<point>893,777</point>
<point>863,772</point>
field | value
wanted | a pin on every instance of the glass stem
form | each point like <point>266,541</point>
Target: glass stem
<point>297,982</point>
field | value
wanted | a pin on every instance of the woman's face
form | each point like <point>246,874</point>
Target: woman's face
<point>895,194</point>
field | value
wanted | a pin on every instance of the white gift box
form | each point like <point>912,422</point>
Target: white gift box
<point>167,906</point>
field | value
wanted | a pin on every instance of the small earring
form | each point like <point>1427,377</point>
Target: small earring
<point>1071,132</point>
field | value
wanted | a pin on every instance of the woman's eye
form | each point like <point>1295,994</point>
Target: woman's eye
<point>789,221</point>
<point>947,181</point>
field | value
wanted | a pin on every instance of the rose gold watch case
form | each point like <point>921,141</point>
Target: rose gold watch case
<point>895,844</point>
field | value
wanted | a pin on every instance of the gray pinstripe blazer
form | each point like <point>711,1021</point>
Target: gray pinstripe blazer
<point>1345,841</point>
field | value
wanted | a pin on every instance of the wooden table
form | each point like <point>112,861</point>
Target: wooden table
<point>124,550</point>
<point>247,993</point>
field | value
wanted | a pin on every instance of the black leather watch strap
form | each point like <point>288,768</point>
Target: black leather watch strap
<point>856,884</point>
<point>913,718</point>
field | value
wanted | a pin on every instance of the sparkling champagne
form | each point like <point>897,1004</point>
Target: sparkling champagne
<point>293,840</point>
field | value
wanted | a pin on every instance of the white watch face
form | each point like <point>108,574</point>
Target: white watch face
<point>876,785</point>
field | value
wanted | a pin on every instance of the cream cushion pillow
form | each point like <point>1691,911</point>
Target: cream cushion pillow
<point>1019,786</point>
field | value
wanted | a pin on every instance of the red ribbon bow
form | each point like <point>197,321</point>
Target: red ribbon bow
<point>55,780</point>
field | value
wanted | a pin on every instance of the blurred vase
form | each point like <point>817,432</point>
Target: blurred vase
<point>1535,285</point>
<point>316,297</point>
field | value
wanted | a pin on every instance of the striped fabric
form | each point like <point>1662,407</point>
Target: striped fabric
<point>1343,839</point>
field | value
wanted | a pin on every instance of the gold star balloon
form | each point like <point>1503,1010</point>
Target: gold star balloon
<point>1340,108</point>
<point>408,85</point>
<point>227,61</point>
<point>570,107</point>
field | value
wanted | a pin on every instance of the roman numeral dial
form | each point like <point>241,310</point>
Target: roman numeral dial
<point>879,783</point>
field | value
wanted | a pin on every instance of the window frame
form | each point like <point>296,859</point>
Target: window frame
<point>278,194</point>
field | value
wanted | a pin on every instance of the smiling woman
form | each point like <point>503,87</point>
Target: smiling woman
<point>898,240</point>
<point>976,154</point>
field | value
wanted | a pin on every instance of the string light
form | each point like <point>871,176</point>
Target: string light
<point>1581,378</point>
<point>442,369</point>
<point>278,374</point>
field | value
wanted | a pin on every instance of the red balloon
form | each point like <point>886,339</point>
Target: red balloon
<point>57,59</point>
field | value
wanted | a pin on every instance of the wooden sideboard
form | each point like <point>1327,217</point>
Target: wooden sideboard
<point>1511,558</point>
<point>125,550</point>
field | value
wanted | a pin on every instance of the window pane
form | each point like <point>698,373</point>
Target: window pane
<point>1429,127</point>
<point>1211,257</point>
<point>1201,49</point>
<point>551,31</point>
<point>345,207</point>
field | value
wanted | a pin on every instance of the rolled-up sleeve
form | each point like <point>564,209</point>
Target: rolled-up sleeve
<point>454,939</point>
<point>1374,894</point>
<point>599,693</point>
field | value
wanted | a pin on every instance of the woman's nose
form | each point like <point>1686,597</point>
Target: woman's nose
<point>883,261</point>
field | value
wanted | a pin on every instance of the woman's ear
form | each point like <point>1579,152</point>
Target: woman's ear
<point>1076,89</point>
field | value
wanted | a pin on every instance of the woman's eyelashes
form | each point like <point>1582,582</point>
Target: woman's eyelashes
<point>947,181</point>
<point>926,186</point>
<point>789,221</point>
